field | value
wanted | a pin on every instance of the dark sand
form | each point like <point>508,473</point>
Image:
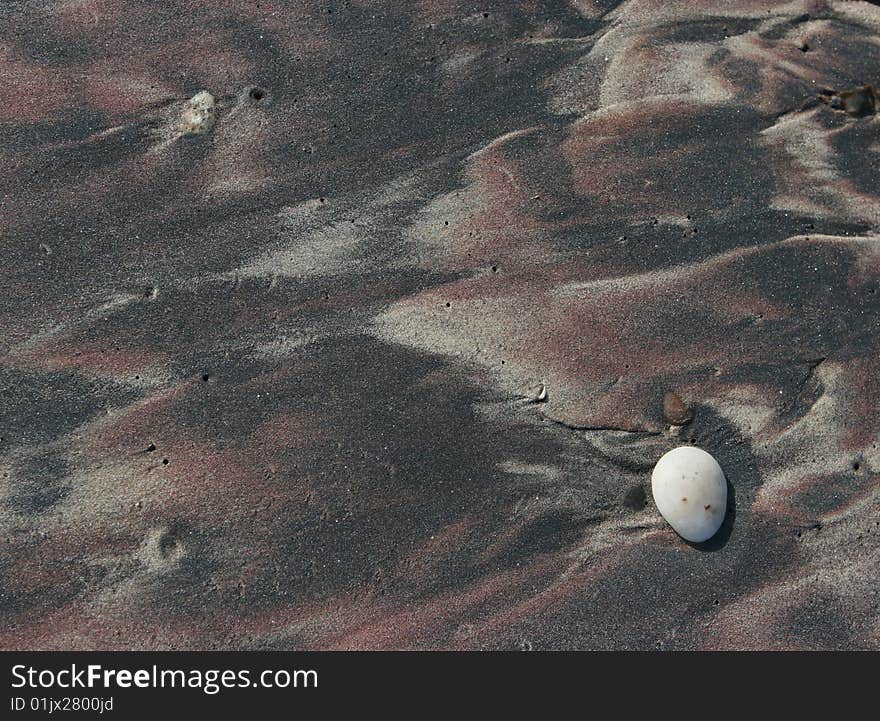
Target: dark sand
<point>274,384</point>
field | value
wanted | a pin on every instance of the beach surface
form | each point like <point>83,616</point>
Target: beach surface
<point>349,325</point>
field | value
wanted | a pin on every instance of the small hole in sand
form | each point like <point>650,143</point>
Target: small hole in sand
<point>164,461</point>
<point>856,466</point>
<point>257,94</point>
<point>206,376</point>
<point>448,305</point>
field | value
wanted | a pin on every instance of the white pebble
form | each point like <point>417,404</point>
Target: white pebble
<point>690,491</point>
<point>198,114</point>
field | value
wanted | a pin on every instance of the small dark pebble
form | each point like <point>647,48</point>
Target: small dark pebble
<point>857,103</point>
<point>676,410</point>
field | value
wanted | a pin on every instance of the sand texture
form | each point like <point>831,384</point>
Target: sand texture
<point>353,325</point>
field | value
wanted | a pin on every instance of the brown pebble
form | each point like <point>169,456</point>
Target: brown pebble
<point>676,410</point>
<point>859,102</point>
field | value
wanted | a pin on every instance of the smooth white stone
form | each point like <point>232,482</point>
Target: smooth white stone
<point>690,491</point>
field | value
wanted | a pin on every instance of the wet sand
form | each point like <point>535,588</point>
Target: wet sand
<point>376,356</point>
